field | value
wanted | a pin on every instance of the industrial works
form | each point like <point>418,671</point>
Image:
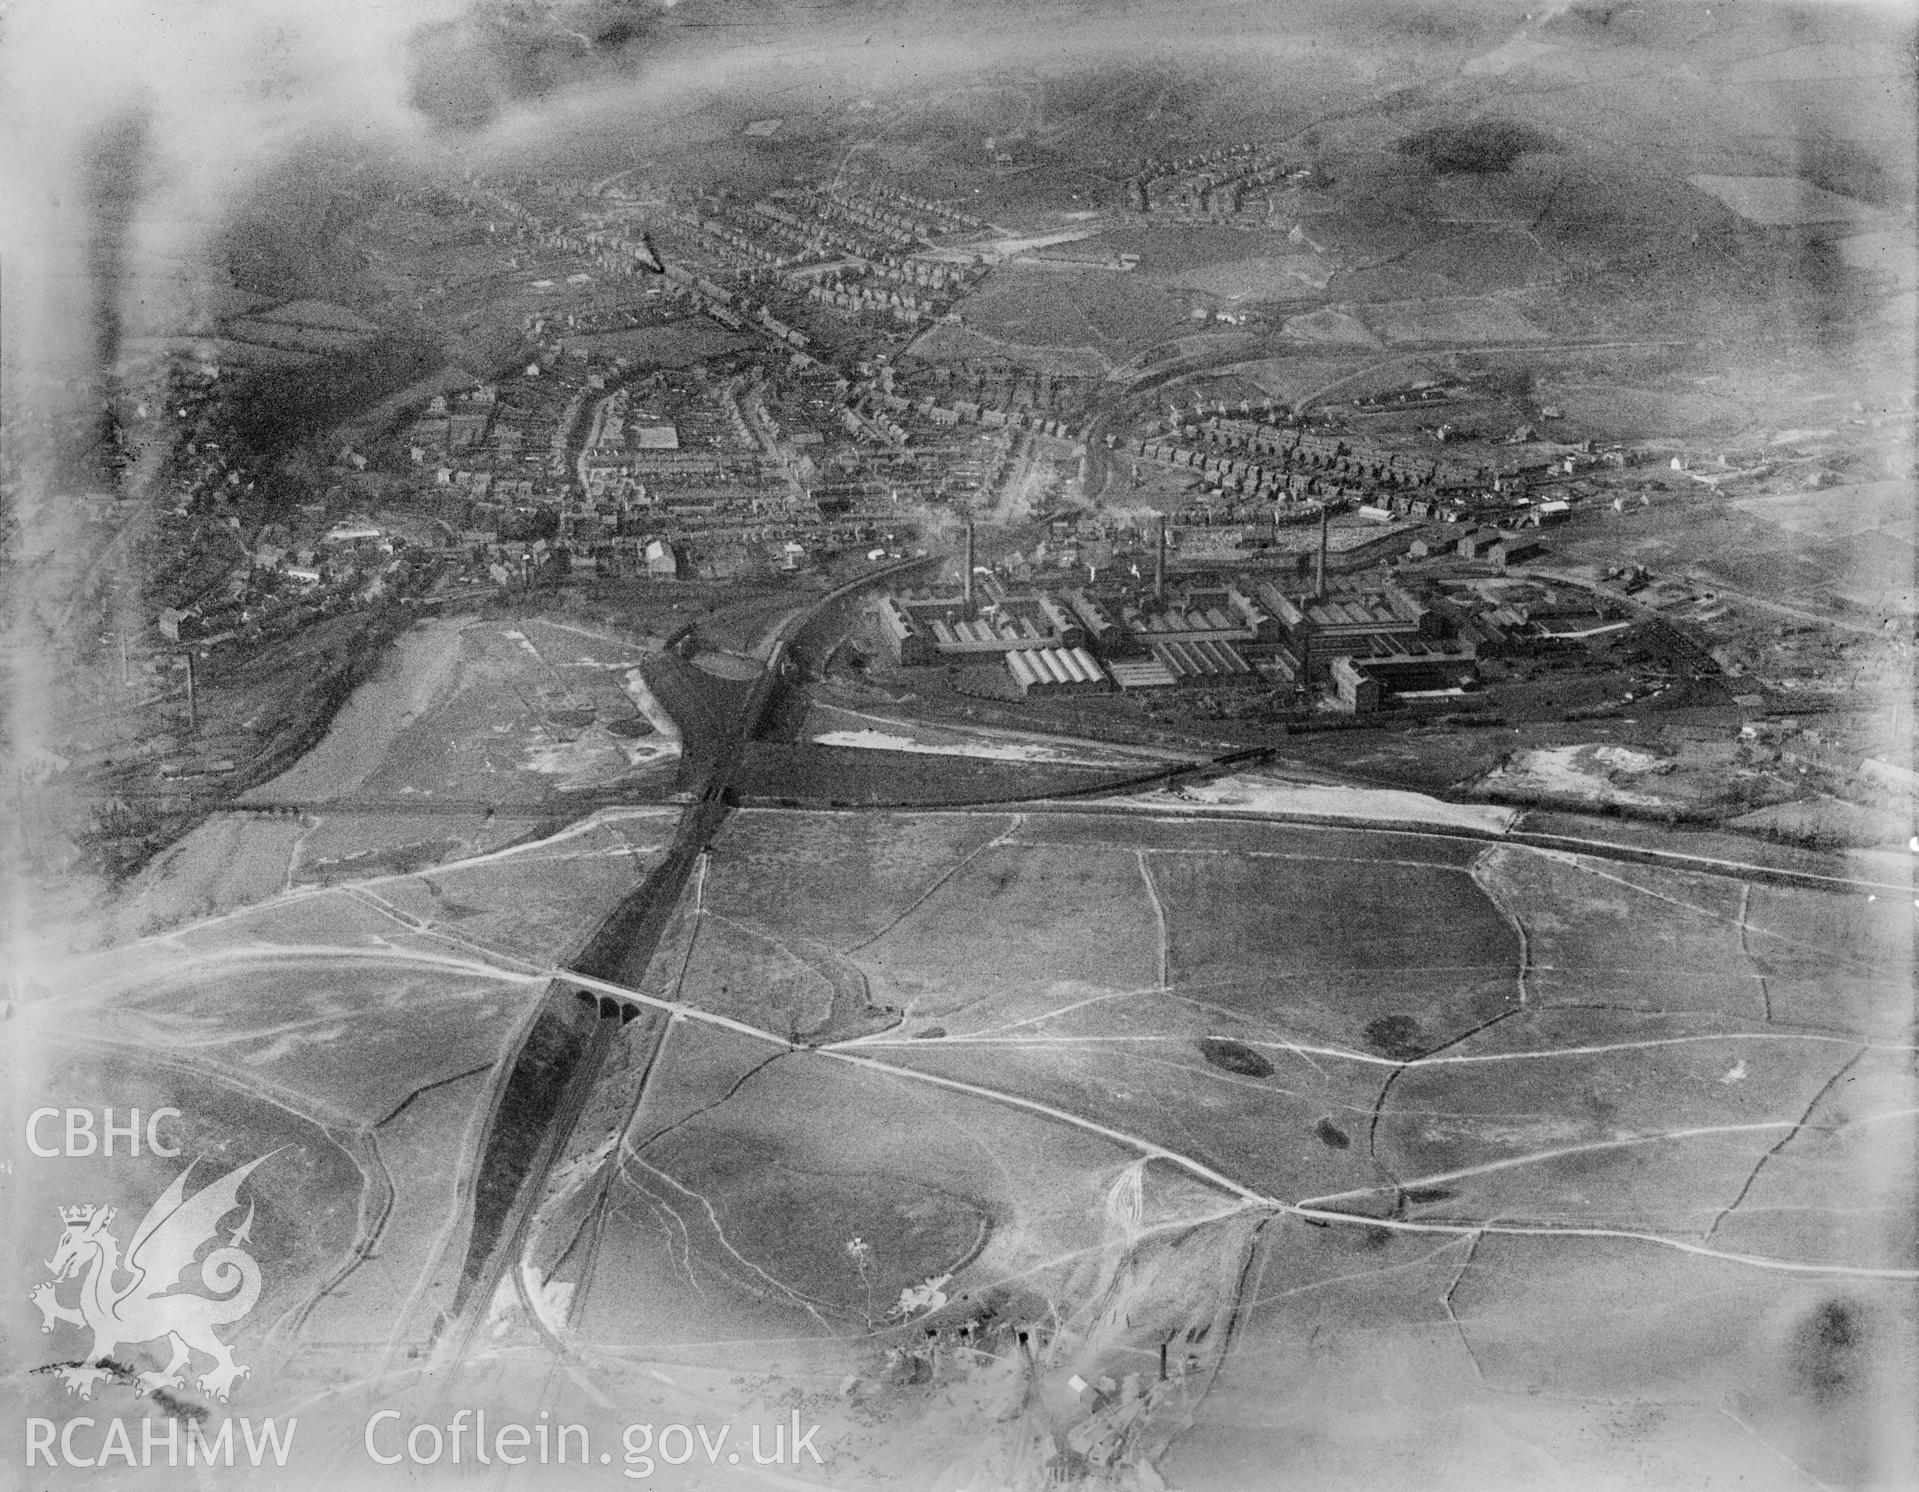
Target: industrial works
<point>990,748</point>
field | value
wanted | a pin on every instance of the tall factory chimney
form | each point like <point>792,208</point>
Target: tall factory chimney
<point>1159,561</point>
<point>966,580</point>
<point>1319,563</point>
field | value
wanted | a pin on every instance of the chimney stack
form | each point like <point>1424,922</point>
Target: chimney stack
<point>966,580</point>
<point>1159,561</point>
<point>1319,564</point>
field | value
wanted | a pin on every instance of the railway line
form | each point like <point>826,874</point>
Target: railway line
<point>538,1098</point>
<point>614,957</point>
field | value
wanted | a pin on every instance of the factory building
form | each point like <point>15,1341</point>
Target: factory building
<point>1203,661</point>
<point>1055,671</point>
<point>905,638</point>
<point>1102,633</point>
<point>1364,682</point>
<point>927,627</point>
<point>1064,624</point>
<point>1370,643</point>
<point>1136,674</point>
<point>999,632</point>
<point>1226,614</point>
<point>1513,550</point>
<point>1358,691</point>
<point>1343,621</point>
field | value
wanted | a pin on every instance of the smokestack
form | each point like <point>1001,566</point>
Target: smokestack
<point>968,579</point>
<point>1319,565</point>
<point>1159,561</point>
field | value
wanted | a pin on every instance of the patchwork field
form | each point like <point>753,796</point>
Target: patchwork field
<point>1490,321</point>
<point>335,997</point>
<point>307,1188</point>
<point>1485,260</point>
<point>1117,314</point>
<point>1869,567</point>
<point>960,1108</point>
<point>1879,511</point>
<point>1439,1100</point>
<point>617,1041</point>
<point>673,345</point>
<point>1281,277</point>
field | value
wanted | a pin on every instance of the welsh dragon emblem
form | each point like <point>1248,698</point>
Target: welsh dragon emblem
<point>128,1301</point>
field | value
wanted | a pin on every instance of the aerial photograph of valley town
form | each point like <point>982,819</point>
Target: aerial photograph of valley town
<point>868,744</point>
